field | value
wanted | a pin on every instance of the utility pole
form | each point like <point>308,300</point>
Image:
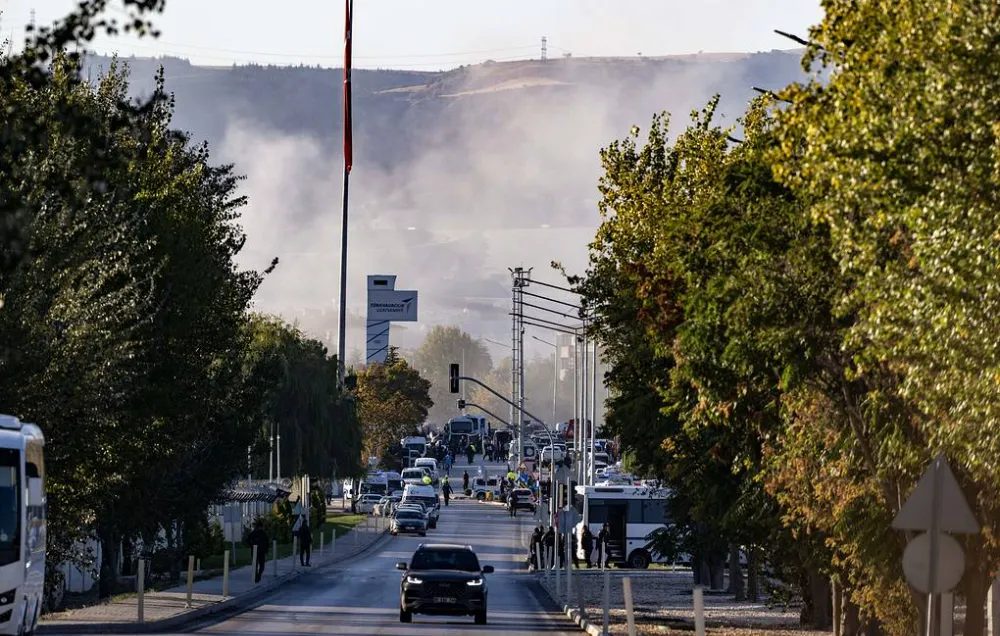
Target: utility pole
<point>520,278</point>
<point>545,48</point>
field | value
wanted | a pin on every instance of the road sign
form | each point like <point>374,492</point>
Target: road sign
<point>917,563</point>
<point>953,512</point>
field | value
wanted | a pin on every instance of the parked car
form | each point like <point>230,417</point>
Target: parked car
<point>366,504</point>
<point>525,499</point>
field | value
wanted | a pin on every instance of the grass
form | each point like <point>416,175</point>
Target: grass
<point>339,524</point>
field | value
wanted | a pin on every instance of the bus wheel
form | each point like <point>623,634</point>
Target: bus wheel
<point>639,560</point>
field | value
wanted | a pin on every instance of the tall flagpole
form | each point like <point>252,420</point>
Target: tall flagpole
<point>348,160</point>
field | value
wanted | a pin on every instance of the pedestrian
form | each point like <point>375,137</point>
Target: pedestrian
<point>470,452</point>
<point>549,541</point>
<point>446,491</point>
<point>561,537</point>
<point>305,543</point>
<point>602,544</point>
<point>574,545</point>
<point>536,551</point>
<point>465,482</point>
<point>258,537</point>
<point>587,543</point>
<point>512,502</point>
<point>447,464</point>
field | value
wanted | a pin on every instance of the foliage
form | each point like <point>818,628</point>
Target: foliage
<point>320,434</point>
<point>442,347</point>
<point>393,400</point>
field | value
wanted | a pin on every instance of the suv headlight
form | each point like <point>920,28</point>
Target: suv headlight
<point>414,580</point>
<point>475,582</point>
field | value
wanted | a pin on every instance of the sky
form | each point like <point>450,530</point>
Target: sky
<point>440,34</point>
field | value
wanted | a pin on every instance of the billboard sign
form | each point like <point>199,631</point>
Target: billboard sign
<point>394,305</point>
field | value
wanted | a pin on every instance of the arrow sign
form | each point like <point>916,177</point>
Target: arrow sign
<point>953,511</point>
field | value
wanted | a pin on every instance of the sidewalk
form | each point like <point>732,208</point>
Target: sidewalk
<point>168,609</point>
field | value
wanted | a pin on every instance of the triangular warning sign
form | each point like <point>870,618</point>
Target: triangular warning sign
<point>954,514</point>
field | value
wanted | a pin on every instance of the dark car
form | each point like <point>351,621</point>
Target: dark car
<point>443,580</point>
<point>406,520</point>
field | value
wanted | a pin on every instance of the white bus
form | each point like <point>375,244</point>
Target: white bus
<point>632,512</point>
<point>22,525</point>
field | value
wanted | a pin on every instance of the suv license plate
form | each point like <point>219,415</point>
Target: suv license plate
<point>444,599</point>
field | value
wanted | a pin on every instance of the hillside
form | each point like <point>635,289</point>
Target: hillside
<point>458,174</point>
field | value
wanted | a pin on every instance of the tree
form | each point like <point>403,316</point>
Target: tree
<point>442,347</point>
<point>297,381</point>
<point>393,400</point>
<point>896,152</point>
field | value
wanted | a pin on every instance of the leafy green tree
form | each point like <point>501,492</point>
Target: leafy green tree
<point>393,400</point>
<point>441,347</point>
<point>896,150</point>
<point>320,432</point>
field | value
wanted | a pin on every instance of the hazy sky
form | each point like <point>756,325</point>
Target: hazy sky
<point>435,34</point>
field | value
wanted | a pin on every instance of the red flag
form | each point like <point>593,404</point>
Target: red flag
<point>348,121</point>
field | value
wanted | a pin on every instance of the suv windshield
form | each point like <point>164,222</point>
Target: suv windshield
<point>462,560</point>
<point>10,518</point>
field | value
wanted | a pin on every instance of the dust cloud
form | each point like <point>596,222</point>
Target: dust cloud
<point>502,172</point>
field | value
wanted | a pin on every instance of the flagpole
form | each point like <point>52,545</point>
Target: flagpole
<point>348,159</point>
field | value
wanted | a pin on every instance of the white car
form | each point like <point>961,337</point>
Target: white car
<point>385,506</point>
<point>366,504</point>
<point>556,454</point>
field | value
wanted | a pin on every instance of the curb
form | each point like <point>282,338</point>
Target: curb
<point>574,614</point>
<point>186,618</point>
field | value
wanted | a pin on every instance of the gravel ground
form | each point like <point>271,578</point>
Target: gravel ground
<point>663,603</point>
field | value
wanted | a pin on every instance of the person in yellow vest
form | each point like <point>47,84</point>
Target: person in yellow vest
<point>427,480</point>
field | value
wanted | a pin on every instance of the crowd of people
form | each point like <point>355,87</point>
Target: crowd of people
<point>543,541</point>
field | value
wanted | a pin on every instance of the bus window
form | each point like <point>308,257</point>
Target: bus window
<point>598,511</point>
<point>654,511</point>
<point>634,514</point>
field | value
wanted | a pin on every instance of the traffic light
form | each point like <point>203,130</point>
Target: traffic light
<point>461,404</point>
<point>453,377</point>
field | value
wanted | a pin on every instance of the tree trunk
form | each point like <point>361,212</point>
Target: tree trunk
<point>975,588</point>
<point>173,551</point>
<point>107,582</point>
<point>753,575</point>
<point>704,576</point>
<point>816,609</point>
<point>852,616</point>
<point>717,572</point>
<point>736,587</point>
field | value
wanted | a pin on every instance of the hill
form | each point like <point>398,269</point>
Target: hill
<point>458,174</point>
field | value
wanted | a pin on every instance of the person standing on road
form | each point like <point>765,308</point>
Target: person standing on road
<point>258,537</point>
<point>305,544</point>
<point>513,504</point>
<point>470,452</point>
<point>602,544</point>
<point>549,541</point>
<point>447,464</point>
<point>587,543</point>
<point>446,491</point>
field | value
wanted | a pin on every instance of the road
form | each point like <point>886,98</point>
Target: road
<point>362,597</point>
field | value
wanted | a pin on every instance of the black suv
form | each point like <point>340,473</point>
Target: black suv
<point>443,580</point>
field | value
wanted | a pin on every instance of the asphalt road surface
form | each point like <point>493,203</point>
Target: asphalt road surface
<point>362,597</point>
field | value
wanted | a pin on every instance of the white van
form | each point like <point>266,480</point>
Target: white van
<point>427,462</point>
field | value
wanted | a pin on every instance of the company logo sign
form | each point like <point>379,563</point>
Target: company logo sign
<point>394,305</point>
